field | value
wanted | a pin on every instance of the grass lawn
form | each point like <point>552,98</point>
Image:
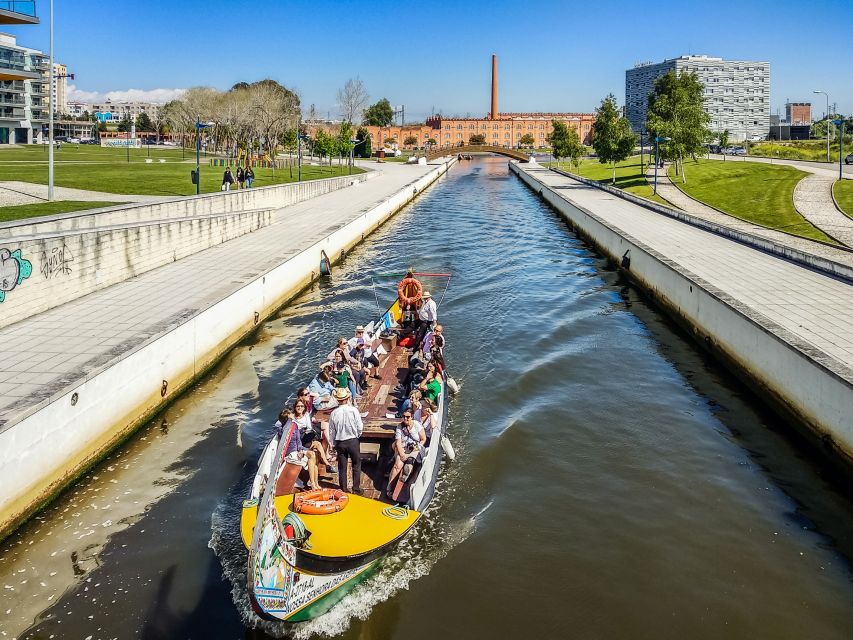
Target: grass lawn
<point>47,209</point>
<point>757,192</point>
<point>629,175</point>
<point>843,190</point>
<point>103,169</point>
<point>796,149</point>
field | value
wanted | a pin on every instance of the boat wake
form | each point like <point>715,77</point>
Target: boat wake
<point>430,541</point>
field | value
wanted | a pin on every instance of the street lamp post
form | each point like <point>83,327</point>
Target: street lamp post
<point>299,138</point>
<point>50,115</point>
<point>840,123</point>
<point>658,140</point>
<point>827,122</point>
<point>198,127</point>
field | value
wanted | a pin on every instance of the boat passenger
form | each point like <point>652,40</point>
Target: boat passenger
<point>289,430</point>
<point>344,348</point>
<point>414,394</point>
<point>427,318</point>
<point>321,388</point>
<point>433,338</point>
<point>431,386</point>
<point>437,358</point>
<point>345,428</point>
<point>428,417</point>
<point>305,394</point>
<point>308,433</point>
<point>409,442</point>
<point>369,356</point>
<point>343,374</point>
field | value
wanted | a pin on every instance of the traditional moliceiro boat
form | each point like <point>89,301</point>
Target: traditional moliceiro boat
<point>307,550</point>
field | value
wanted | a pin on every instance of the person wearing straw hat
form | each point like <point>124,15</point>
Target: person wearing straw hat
<point>427,317</point>
<point>345,429</point>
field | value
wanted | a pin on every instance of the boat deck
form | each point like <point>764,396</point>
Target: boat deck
<point>379,401</point>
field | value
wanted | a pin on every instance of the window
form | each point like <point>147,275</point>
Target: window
<point>459,127</point>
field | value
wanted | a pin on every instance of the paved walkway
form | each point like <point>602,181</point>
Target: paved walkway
<point>682,201</point>
<point>815,309</point>
<point>813,195</point>
<point>813,199</point>
<point>13,192</point>
<point>52,350</point>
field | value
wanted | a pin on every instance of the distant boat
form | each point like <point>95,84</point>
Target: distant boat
<point>301,565</point>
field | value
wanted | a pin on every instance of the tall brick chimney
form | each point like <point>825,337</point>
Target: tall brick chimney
<point>494,114</point>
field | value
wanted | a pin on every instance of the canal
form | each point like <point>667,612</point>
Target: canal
<point>610,481</point>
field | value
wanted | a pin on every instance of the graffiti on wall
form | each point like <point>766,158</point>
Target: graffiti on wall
<point>56,263</point>
<point>14,269</point>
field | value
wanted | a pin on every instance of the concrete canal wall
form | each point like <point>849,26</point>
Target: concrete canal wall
<point>49,444</point>
<point>803,382</point>
<point>96,249</point>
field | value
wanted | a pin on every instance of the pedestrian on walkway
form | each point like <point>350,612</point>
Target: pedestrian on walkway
<point>227,179</point>
<point>241,177</point>
<point>250,176</point>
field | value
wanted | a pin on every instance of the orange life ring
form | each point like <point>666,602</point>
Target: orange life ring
<point>404,291</point>
<point>320,501</point>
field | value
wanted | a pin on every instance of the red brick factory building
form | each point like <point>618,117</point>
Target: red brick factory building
<point>499,129</point>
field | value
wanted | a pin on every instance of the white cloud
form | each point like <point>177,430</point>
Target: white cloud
<point>160,96</point>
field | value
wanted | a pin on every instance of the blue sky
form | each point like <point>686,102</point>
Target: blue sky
<point>553,56</point>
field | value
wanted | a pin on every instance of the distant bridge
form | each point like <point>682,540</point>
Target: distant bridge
<point>477,148</point>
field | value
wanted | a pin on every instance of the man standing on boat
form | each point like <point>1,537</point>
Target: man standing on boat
<point>427,317</point>
<point>345,428</point>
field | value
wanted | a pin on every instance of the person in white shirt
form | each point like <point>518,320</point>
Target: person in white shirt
<point>427,317</point>
<point>409,442</point>
<point>345,428</point>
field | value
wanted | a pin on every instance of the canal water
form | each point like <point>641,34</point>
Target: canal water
<point>610,481</point>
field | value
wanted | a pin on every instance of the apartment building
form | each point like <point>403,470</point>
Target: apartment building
<point>737,92</point>
<point>109,111</point>
<point>24,92</point>
<point>60,88</point>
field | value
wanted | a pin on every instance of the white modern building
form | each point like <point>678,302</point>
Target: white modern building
<point>116,111</point>
<point>737,92</point>
<point>24,92</point>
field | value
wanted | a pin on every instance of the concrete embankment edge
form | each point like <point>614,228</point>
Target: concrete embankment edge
<point>50,448</point>
<point>799,381</point>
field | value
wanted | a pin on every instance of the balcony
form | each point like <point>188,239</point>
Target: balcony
<point>12,66</point>
<point>9,86</point>
<point>18,12</point>
<point>10,113</point>
<point>11,100</point>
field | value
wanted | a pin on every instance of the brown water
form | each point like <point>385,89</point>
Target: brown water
<point>611,482</point>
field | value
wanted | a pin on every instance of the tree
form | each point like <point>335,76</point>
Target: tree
<point>343,140</point>
<point>362,147</point>
<point>324,144</point>
<point>125,125</point>
<point>102,126</point>
<point>612,137</point>
<point>477,138</point>
<point>352,99</point>
<point>565,143</point>
<point>676,111</point>
<point>380,114</point>
<point>724,142</point>
<point>526,140</point>
<point>143,122</point>
<point>410,141</point>
<point>432,141</point>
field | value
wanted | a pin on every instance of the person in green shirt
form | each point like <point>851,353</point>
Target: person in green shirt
<point>431,388</point>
